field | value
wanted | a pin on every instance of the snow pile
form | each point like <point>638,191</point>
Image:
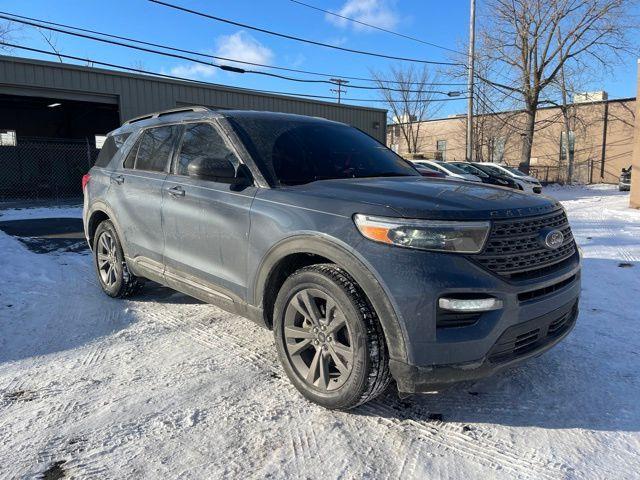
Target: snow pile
<point>163,386</point>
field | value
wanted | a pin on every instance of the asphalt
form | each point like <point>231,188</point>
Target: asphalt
<point>47,235</point>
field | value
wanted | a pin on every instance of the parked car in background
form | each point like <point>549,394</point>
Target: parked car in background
<point>624,185</point>
<point>487,176</point>
<point>448,169</point>
<point>364,271</point>
<point>426,171</point>
<point>527,182</point>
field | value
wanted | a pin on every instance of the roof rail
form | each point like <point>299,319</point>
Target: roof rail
<point>167,112</point>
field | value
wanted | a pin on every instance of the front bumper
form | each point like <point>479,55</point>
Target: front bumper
<point>438,354</point>
<point>516,344</point>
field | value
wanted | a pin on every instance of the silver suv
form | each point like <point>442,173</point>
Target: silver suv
<point>365,270</point>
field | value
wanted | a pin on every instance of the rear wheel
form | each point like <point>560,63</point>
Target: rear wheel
<point>113,274</point>
<point>329,339</point>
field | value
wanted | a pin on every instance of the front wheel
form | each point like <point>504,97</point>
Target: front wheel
<point>111,267</point>
<point>329,339</point>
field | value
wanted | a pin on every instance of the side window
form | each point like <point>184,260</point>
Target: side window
<point>156,146</point>
<point>201,140</point>
<point>130,161</point>
<point>109,148</point>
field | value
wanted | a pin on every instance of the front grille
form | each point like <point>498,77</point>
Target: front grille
<point>541,292</point>
<point>513,248</point>
<point>529,336</point>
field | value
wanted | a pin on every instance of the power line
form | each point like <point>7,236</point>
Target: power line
<point>200,82</point>
<point>215,57</point>
<point>299,39</point>
<point>39,24</point>
<point>408,37</point>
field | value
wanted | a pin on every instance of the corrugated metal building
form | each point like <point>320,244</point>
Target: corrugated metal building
<point>50,109</point>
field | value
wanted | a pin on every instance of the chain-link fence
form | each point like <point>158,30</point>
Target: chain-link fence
<point>582,173</point>
<point>37,168</point>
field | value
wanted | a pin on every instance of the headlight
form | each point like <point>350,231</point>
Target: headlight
<point>460,237</point>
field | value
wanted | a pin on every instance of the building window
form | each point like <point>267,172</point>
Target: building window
<point>563,144</point>
<point>497,150</point>
<point>441,147</point>
<point>8,138</point>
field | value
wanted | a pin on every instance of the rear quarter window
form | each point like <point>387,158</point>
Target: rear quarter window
<point>156,147</point>
<point>110,147</point>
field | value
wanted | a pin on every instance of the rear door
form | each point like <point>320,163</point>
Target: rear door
<point>206,223</point>
<point>136,194</point>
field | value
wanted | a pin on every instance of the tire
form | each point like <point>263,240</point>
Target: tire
<point>329,339</point>
<point>111,268</point>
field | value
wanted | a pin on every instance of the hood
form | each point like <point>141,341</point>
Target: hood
<point>431,198</point>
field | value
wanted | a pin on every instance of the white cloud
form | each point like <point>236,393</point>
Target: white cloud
<point>379,13</point>
<point>242,46</point>
<point>239,46</point>
<point>195,71</point>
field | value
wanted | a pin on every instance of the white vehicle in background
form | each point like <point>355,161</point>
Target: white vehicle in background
<point>451,171</point>
<point>527,182</point>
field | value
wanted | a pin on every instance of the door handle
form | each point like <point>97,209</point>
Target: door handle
<point>176,191</point>
<point>119,179</point>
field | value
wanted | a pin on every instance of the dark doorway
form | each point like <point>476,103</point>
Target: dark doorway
<point>47,144</point>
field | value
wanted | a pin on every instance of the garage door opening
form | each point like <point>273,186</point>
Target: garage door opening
<point>47,144</point>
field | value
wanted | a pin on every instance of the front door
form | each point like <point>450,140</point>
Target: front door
<point>205,223</point>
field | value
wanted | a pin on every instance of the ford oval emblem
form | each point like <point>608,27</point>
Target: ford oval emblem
<point>552,239</point>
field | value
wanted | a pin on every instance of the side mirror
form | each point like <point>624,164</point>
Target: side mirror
<point>217,170</point>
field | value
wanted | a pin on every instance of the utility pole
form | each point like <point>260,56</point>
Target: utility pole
<point>340,82</point>
<point>470,67</point>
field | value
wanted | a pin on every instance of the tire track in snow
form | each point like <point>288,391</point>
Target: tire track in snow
<point>447,435</point>
<point>482,448</point>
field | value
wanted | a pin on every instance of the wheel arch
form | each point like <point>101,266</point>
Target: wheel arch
<point>98,213</point>
<point>290,253</point>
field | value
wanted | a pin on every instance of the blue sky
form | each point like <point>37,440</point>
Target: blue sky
<point>443,23</point>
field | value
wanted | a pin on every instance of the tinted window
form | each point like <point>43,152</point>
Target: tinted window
<point>426,166</point>
<point>492,169</point>
<point>156,146</point>
<point>130,161</point>
<point>201,140</point>
<point>451,168</point>
<point>110,147</point>
<point>471,169</point>
<point>301,151</point>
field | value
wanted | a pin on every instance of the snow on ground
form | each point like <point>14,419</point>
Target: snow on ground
<point>41,212</point>
<point>163,386</point>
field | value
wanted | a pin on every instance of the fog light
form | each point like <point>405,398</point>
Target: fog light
<point>470,305</point>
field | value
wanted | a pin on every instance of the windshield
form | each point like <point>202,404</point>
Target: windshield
<point>468,168</point>
<point>296,151</point>
<point>452,168</point>
<point>492,169</point>
<point>426,166</point>
<point>515,171</point>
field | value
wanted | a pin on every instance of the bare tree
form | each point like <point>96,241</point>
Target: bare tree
<point>520,38</point>
<point>6,33</point>
<point>52,41</point>
<point>411,98</point>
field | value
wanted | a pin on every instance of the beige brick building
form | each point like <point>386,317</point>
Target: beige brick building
<point>602,137</point>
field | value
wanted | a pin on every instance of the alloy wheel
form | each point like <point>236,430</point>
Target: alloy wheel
<point>107,257</point>
<point>318,340</point>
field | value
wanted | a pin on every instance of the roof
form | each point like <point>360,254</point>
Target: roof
<point>463,116</point>
<point>184,83</point>
<point>200,112</point>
